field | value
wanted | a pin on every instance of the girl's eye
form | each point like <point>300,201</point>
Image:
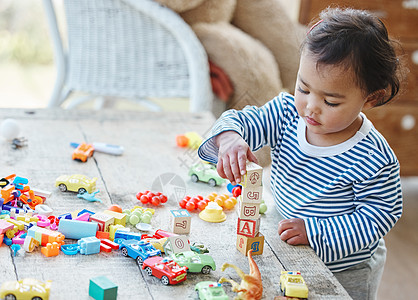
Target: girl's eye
<point>331,104</point>
<point>302,91</point>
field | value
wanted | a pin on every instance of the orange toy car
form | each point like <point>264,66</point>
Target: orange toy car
<point>83,152</point>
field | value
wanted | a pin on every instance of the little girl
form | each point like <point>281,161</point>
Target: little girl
<point>334,178</point>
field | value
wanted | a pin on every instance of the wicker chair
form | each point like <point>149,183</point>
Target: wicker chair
<point>134,49</point>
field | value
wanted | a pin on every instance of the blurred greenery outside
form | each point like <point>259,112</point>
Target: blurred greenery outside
<point>27,71</point>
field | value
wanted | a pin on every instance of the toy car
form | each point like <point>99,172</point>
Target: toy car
<point>195,262</point>
<point>210,290</point>
<point>293,285</point>
<point>138,250</point>
<point>83,152</point>
<point>76,183</point>
<point>166,269</point>
<point>25,289</point>
<point>206,173</point>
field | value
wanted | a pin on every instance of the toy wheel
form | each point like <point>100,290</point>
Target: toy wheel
<point>10,297</point>
<point>195,178</point>
<point>212,182</point>
<point>164,280</point>
<point>148,270</point>
<point>124,252</point>
<point>62,187</point>
<point>36,298</point>
<point>139,261</point>
<point>82,190</point>
<point>206,270</point>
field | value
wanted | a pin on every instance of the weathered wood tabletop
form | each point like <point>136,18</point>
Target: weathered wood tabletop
<point>151,159</point>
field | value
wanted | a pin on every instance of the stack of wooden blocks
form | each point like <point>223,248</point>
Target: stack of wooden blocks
<point>248,235</point>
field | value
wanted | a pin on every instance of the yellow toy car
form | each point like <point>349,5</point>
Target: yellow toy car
<point>76,183</point>
<point>25,289</point>
<point>157,243</point>
<point>293,285</point>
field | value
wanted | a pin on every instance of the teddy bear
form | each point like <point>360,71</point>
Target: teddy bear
<point>253,50</point>
<point>252,46</point>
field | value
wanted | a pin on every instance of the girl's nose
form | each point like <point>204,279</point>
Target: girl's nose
<point>312,105</point>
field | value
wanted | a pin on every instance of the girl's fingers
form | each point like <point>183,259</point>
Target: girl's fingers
<point>220,168</point>
<point>227,170</point>
<point>251,156</point>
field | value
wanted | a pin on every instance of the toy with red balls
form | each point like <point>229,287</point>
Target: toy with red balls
<point>149,197</point>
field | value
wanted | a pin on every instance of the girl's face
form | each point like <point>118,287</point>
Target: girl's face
<point>329,101</point>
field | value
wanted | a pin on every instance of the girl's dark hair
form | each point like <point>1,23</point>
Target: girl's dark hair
<point>359,41</point>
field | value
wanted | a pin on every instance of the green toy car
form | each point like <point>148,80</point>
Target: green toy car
<point>195,262</point>
<point>210,290</point>
<point>206,173</point>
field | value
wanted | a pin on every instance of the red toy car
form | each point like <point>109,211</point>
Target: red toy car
<point>166,269</point>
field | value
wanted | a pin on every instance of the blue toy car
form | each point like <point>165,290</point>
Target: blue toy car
<point>138,250</point>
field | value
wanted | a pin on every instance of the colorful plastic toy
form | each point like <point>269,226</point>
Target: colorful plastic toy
<point>210,290</point>
<point>206,173</point>
<point>101,288</point>
<point>89,196</point>
<point>195,262</point>
<point>199,248</point>
<point>157,243</point>
<point>76,183</point>
<point>83,152</point>
<point>152,198</point>
<point>138,250</point>
<point>25,289</point>
<point>212,213</point>
<point>293,285</point>
<point>165,269</point>
<point>251,286</point>
<point>189,139</point>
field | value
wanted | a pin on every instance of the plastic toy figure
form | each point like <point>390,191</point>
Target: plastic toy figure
<point>138,250</point>
<point>89,196</point>
<point>25,289</point>
<point>210,290</point>
<point>251,287</point>
<point>166,269</point>
<point>206,173</point>
<point>76,183</point>
<point>83,152</point>
<point>293,285</point>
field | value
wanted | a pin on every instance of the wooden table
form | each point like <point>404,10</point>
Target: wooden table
<point>150,152</point>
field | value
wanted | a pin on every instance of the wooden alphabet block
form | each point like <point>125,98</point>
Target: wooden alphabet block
<point>180,221</point>
<point>176,244</point>
<point>249,210</point>
<point>104,221</point>
<point>251,194</point>
<point>254,175</point>
<point>247,227</point>
<point>245,243</point>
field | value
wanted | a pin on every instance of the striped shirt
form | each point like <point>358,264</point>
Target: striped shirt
<point>349,195</point>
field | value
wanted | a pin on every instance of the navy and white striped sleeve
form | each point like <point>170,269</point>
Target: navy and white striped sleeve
<point>258,126</point>
<point>378,202</point>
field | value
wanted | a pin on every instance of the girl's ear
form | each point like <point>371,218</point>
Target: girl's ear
<point>374,98</point>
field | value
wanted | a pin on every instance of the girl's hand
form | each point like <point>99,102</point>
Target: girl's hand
<point>293,232</point>
<point>233,155</point>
